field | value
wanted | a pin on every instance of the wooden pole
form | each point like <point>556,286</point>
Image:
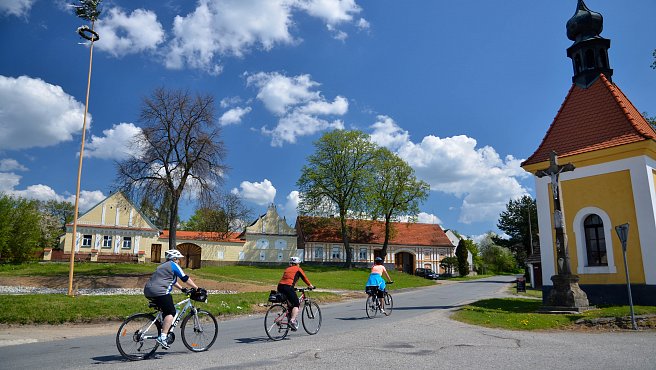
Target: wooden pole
<point>79,173</point>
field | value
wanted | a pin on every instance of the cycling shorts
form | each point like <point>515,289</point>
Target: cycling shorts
<point>289,293</point>
<point>165,303</point>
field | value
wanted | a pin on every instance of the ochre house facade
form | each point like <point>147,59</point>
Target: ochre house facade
<point>115,230</point>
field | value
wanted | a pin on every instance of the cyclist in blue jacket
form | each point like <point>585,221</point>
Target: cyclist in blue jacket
<point>158,289</point>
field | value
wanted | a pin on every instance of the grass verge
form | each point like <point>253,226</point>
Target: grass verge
<point>59,309</point>
<point>520,314</point>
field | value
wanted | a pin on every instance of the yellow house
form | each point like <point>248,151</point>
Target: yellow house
<point>613,149</point>
<point>269,239</point>
<point>111,228</point>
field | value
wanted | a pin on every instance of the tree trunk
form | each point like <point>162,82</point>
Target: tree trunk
<point>345,239</point>
<point>173,224</point>
<point>386,241</point>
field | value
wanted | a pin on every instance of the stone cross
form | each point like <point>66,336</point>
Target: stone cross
<point>553,171</point>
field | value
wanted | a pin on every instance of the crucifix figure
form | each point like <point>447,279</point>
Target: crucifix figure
<point>553,171</point>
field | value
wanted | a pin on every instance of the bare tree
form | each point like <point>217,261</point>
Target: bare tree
<point>223,215</point>
<point>180,150</point>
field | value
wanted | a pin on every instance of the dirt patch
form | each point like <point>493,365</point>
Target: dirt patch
<point>119,281</point>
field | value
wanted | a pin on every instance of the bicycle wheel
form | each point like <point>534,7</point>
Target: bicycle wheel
<point>136,336</point>
<point>371,306</point>
<point>311,317</point>
<point>389,304</point>
<point>201,331</point>
<point>276,322</point>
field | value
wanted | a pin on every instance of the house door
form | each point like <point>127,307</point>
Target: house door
<point>156,253</point>
<point>192,254</point>
<point>404,261</point>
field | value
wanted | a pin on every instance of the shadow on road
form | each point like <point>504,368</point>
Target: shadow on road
<point>352,318</point>
<point>252,340</point>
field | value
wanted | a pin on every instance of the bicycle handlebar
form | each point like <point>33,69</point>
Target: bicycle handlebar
<point>304,289</point>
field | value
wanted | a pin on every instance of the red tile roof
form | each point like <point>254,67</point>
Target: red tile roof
<point>202,235</point>
<point>328,230</point>
<point>595,118</point>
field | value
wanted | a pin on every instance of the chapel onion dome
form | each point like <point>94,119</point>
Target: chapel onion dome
<point>584,24</point>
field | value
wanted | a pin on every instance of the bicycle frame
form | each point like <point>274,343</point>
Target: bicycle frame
<point>187,302</point>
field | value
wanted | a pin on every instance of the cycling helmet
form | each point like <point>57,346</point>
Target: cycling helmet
<point>173,253</point>
<point>378,259</point>
<point>294,260</point>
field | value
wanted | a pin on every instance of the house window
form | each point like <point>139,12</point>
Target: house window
<point>127,242</point>
<point>86,241</point>
<point>262,256</point>
<point>220,255</point>
<point>337,253</point>
<point>318,253</point>
<point>241,255</point>
<point>107,241</point>
<point>595,241</point>
<point>362,256</point>
<point>279,256</point>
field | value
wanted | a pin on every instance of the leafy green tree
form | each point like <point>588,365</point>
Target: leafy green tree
<point>226,215</point>
<point>336,177</point>
<point>19,231</point>
<point>498,259</point>
<point>461,255</point>
<point>395,190</point>
<point>180,149</point>
<point>520,222</point>
<point>54,215</point>
<point>653,65</point>
<point>448,263</point>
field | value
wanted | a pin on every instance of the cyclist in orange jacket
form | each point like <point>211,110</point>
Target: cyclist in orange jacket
<point>286,287</point>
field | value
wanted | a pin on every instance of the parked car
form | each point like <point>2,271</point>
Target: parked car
<point>426,273</point>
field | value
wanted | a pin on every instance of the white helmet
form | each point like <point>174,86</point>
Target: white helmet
<point>294,260</point>
<point>173,253</point>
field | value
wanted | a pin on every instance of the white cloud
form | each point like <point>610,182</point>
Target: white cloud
<point>230,101</point>
<point>34,113</point>
<point>9,182</point>
<point>388,134</point>
<point>233,116</point>
<point>297,104</point>
<point>19,8</point>
<point>363,24</point>
<point>117,143</point>
<point>454,165</point>
<point>261,193</point>
<point>122,34</point>
<point>331,11</point>
<point>228,27</point>
<point>428,218</point>
<point>8,164</point>
<point>289,209</point>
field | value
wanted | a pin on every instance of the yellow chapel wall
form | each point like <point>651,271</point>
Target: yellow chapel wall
<point>611,192</point>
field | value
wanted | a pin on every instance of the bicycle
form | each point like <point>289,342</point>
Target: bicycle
<point>276,320</point>
<point>136,337</point>
<point>372,306</point>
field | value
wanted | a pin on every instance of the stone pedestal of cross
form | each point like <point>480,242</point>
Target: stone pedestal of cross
<point>566,294</point>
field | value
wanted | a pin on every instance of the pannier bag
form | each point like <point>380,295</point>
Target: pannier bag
<point>199,295</point>
<point>276,297</point>
<point>371,290</point>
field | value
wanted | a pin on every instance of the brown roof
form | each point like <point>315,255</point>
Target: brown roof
<point>328,230</point>
<point>202,235</point>
<point>593,118</point>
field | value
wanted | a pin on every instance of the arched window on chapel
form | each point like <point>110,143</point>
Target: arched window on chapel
<point>595,241</point>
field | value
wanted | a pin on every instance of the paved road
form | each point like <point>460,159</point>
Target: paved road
<point>417,335</point>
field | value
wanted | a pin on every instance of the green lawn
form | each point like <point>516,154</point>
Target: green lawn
<point>520,314</point>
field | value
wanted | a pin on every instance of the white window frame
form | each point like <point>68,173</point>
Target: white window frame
<point>279,256</point>
<point>336,252</point>
<point>581,252</point>
<point>127,242</point>
<point>220,255</point>
<point>362,256</point>
<point>318,253</point>
<point>107,241</point>
<point>86,240</point>
<point>262,256</point>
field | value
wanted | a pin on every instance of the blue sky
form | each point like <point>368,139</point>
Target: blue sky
<point>462,90</point>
